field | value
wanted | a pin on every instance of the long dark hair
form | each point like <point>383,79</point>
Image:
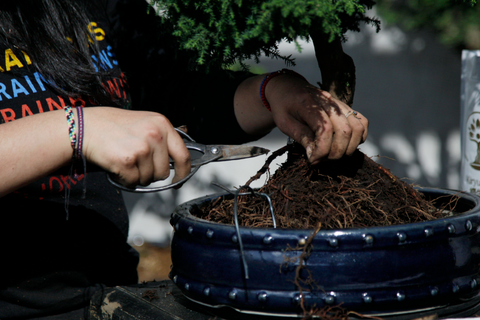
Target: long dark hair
<point>54,34</point>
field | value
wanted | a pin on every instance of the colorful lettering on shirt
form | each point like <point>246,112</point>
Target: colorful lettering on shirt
<point>106,60</point>
<point>22,89</point>
<point>12,61</point>
<point>18,88</point>
<point>8,114</point>
<point>116,88</point>
<point>97,31</point>
<point>57,184</point>
<point>26,111</point>
<point>15,88</point>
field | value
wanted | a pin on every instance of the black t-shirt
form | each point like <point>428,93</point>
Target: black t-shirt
<point>50,264</point>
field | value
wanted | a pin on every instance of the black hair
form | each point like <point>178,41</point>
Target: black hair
<point>55,35</point>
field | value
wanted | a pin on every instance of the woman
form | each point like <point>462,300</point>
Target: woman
<point>64,227</point>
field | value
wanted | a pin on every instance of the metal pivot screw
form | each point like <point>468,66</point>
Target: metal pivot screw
<point>302,241</point>
<point>190,230</point>
<point>187,286</point>
<point>262,296</point>
<point>214,150</point>
<point>234,238</point>
<point>400,296</point>
<point>232,295</point>
<point>267,240</point>
<point>434,291</point>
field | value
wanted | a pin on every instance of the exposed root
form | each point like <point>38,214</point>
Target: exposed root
<point>352,192</point>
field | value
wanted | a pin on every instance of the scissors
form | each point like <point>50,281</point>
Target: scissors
<point>210,153</point>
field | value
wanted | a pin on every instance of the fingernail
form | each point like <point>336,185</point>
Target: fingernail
<point>309,152</point>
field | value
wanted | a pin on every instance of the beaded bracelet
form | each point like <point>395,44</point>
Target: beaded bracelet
<point>270,77</point>
<point>71,126</point>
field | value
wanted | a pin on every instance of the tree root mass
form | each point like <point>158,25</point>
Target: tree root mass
<point>352,192</point>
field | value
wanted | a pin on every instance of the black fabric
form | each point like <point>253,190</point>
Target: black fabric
<point>52,266</point>
<point>159,79</point>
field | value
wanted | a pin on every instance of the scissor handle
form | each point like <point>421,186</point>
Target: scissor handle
<point>161,188</point>
<point>151,189</point>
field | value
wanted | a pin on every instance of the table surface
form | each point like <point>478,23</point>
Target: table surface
<point>162,300</point>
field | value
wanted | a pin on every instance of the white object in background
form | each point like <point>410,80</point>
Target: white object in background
<point>470,122</point>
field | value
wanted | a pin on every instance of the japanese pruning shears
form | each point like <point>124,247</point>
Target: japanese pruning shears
<point>209,153</point>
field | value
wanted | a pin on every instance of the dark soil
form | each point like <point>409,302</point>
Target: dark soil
<point>352,192</point>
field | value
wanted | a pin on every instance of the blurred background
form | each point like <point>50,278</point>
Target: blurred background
<point>408,86</point>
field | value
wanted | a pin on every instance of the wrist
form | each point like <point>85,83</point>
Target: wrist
<point>74,116</point>
<point>266,80</point>
<point>251,115</point>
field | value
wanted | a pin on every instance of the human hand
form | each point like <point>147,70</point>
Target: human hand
<point>134,146</point>
<point>325,126</point>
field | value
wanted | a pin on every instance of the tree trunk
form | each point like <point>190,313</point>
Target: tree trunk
<point>337,68</point>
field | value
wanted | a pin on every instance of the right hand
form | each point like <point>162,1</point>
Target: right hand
<point>134,146</point>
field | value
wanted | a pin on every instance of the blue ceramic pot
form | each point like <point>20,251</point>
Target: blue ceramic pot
<point>378,270</point>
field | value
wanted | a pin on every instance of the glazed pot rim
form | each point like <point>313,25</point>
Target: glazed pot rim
<point>183,212</point>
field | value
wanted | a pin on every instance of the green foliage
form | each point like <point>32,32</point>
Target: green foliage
<point>456,22</point>
<point>223,32</point>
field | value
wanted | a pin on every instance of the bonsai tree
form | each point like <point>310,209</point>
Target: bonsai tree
<point>219,33</point>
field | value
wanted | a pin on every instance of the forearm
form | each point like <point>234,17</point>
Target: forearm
<point>251,114</point>
<point>134,146</point>
<point>31,148</point>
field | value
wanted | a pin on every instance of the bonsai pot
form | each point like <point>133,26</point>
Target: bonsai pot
<point>400,269</point>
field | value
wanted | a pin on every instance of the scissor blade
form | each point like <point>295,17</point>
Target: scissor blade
<point>241,152</point>
<point>220,153</point>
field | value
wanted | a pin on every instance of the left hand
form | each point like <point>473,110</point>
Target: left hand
<point>305,113</point>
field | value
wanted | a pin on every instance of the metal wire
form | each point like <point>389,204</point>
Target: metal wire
<point>235,216</point>
<point>239,237</point>
<point>274,222</point>
<point>271,207</point>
